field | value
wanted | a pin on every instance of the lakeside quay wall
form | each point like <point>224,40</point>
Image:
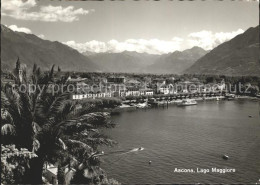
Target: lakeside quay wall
<point>163,103</point>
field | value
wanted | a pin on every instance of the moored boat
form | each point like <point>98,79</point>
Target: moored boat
<point>188,102</point>
<point>142,105</point>
<point>230,96</point>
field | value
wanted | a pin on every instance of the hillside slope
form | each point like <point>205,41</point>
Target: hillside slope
<point>32,49</point>
<point>177,61</point>
<point>239,56</point>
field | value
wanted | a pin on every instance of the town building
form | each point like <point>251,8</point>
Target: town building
<point>131,91</point>
<point>146,92</point>
<point>91,96</point>
<point>116,80</point>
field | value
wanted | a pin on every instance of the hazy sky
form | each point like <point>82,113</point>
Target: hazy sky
<point>143,26</point>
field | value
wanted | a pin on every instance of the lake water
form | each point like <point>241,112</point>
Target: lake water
<point>186,137</point>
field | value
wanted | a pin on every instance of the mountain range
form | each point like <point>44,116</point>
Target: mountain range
<point>239,56</point>
<point>31,49</point>
<point>124,62</point>
<point>127,61</point>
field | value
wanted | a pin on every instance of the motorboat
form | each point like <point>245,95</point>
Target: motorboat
<point>187,102</point>
<point>137,149</point>
<point>225,157</point>
<point>230,96</point>
<point>142,105</point>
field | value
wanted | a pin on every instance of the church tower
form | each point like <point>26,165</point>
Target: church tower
<point>19,71</point>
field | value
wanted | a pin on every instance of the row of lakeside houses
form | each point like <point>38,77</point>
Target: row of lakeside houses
<point>120,88</point>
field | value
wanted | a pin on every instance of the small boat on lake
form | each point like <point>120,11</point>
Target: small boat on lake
<point>137,149</point>
<point>142,105</point>
<point>187,102</point>
<point>230,96</point>
<point>226,157</point>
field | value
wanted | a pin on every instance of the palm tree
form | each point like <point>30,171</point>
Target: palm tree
<point>16,114</point>
<point>48,123</point>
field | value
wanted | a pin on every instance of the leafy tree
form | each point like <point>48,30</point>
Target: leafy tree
<point>14,163</point>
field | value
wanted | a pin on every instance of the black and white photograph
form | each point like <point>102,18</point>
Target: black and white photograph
<point>111,92</point>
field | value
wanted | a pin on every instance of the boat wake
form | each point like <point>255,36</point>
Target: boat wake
<point>133,150</point>
<point>120,154</point>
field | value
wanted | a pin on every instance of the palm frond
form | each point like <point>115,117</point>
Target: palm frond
<point>99,140</point>
<point>6,116</point>
<point>7,129</point>
<point>4,100</point>
<point>36,127</point>
<point>36,145</point>
<point>15,101</point>
<point>79,143</point>
<point>64,147</point>
<point>60,104</point>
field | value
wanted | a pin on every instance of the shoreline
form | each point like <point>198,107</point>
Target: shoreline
<point>163,103</point>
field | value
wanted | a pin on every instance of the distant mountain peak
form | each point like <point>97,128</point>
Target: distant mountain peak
<point>196,47</point>
<point>5,28</point>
